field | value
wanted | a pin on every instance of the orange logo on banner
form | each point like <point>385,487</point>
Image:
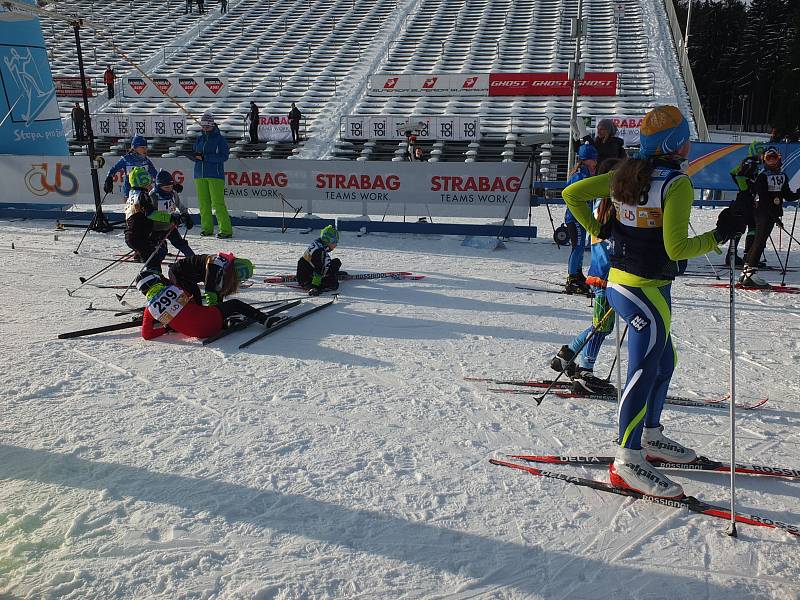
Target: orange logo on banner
<point>37,184</point>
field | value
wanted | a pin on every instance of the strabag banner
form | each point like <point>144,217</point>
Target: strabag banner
<point>274,128</point>
<point>389,127</point>
<point>448,189</point>
<point>29,119</point>
<point>177,87</point>
<point>551,84</point>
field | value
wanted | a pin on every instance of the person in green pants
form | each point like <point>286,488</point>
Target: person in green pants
<point>209,155</point>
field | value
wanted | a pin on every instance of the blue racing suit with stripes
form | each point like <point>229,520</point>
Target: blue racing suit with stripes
<point>646,241</point>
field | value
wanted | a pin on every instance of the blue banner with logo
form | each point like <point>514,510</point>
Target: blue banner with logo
<point>710,163</point>
<point>30,122</point>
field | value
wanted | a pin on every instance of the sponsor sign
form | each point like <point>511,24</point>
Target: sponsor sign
<point>437,84</point>
<point>389,127</point>
<point>122,126</point>
<point>30,122</point>
<point>70,87</point>
<point>551,84</point>
<point>274,128</point>
<point>177,87</point>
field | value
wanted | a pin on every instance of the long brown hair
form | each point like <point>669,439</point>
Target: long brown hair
<point>230,280</point>
<point>631,179</point>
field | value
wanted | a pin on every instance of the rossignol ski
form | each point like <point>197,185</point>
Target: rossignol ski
<point>245,323</point>
<point>688,502</point>
<point>283,323</point>
<point>701,464</point>
<point>288,278</point>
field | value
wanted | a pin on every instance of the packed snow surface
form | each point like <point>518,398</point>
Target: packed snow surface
<point>347,457</point>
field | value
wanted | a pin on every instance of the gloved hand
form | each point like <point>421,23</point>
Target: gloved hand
<point>314,291</point>
<point>187,220</point>
<point>210,299</point>
<point>178,187</point>
<point>730,224</point>
<point>606,229</point>
<point>198,156</point>
<point>108,185</point>
<point>175,219</point>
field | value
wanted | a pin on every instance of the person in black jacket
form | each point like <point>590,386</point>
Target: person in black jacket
<point>294,123</point>
<point>221,275</point>
<point>770,188</point>
<point>606,142</point>
<point>744,175</point>
<point>78,122</point>
<point>252,117</point>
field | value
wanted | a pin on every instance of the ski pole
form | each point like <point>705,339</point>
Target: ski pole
<point>778,256</point>
<point>616,356</point>
<point>789,247</point>
<point>710,264</point>
<point>791,236</point>
<point>120,297</point>
<point>594,330</point>
<point>89,226</point>
<point>732,528</point>
<point>85,280</point>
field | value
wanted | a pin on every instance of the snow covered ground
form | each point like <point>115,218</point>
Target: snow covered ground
<point>346,456</point>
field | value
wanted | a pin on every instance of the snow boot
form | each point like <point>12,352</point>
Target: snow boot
<point>584,382</point>
<point>631,471</point>
<point>657,446</point>
<point>751,279</point>
<point>561,361</point>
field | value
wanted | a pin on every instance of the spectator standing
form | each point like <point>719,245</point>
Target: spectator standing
<point>200,6</point>
<point>188,9</point>
<point>252,116</point>
<point>606,142</point>
<point>209,155</point>
<point>78,122</point>
<point>294,123</point>
<point>419,155</point>
<point>109,78</point>
<point>223,7</point>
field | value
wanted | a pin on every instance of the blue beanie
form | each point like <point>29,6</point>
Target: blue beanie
<point>138,141</point>
<point>663,131</point>
<point>587,152</point>
<point>164,178</point>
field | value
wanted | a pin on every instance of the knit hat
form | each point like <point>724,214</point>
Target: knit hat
<point>663,131</point>
<point>146,280</point>
<point>587,152</point>
<point>329,235</point>
<point>207,120</point>
<point>139,141</point>
<point>609,125</point>
<point>139,177</point>
<point>244,268</point>
<point>164,178</point>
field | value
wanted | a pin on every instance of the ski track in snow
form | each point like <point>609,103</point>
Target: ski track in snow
<point>346,456</point>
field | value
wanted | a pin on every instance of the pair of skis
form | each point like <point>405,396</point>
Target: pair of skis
<point>404,275</point>
<point>779,289</point>
<point>689,503</point>
<point>562,390</point>
<point>273,325</point>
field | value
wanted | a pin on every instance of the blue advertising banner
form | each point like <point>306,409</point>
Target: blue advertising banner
<point>710,163</point>
<point>29,118</point>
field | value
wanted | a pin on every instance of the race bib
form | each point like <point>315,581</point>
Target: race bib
<point>166,305</point>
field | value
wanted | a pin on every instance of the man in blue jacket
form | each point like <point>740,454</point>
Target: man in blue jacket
<point>210,153</point>
<point>136,157</point>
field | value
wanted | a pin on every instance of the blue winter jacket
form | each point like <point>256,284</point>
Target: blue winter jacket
<point>126,163</point>
<point>582,173</point>
<point>214,148</point>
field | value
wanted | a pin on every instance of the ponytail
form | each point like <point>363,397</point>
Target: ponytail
<point>631,179</point>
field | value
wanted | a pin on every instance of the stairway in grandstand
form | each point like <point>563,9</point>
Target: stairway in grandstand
<point>320,54</point>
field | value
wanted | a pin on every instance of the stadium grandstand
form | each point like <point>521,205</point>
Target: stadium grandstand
<point>330,56</point>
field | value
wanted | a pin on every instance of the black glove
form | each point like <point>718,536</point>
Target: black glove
<point>314,291</point>
<point>175,219</point>
<point>108,185</point>
<point>186,218</point>
<point>177,187</point>
<point>198,156</point>
<point>730,224</point>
